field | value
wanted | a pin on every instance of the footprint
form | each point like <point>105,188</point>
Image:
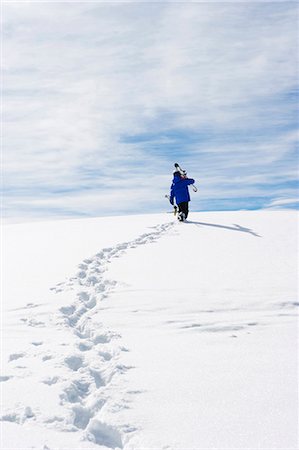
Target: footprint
<point>89,301</point>
<point>92,280</point>
<point>68,310</point>
<point>70,395</point>
<point>32,305</point>
<point>35,323</point>
<point>50,380</point>
<point>15,356</point>
<point>37,343</point>
<point>102,338</point>
<point>98,378</point>
<point>74,362</point>
<point>10,417</point>
<point>105,355</point>
<point>103,434</point>
<point>27,414</point>
<point>81,274</point>
<point>124,349</point>
<point>82,385</point>
<point>53,419</point>
<point>83,296</point>
<point>87,261</point>
<point>75,392</point>
<point>81,416</point>
<point>5,378</point>
<point>85,346</point>
<point>18,417</point>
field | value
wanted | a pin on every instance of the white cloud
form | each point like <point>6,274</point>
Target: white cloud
<point>79,77</point>
<point>281,202</point>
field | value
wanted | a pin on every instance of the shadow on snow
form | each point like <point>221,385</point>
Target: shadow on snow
<point>235,227</point>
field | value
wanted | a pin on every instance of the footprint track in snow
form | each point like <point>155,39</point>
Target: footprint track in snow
<point>93,360</point>
<point>92,287</point>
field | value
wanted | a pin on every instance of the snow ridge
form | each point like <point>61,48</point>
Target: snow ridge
<point>83,373</point>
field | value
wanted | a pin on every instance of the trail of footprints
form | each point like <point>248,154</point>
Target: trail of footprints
<point>91,361</point>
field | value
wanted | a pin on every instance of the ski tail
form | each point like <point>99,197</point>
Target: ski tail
<point>175,208</point>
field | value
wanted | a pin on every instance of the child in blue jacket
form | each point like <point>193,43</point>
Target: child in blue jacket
<point>180,192</point>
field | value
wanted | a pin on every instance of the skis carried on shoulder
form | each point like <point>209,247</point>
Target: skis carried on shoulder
<point>184,175</point>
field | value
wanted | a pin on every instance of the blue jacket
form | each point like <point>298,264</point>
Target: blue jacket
<point>179,189</point>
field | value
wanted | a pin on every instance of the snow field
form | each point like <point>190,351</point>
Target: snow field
<point>171,336</point>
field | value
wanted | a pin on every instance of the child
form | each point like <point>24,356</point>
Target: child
<point>180,192</point>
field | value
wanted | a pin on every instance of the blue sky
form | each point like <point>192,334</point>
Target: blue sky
<point>100,99</point>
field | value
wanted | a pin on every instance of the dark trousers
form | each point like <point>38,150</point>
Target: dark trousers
<point>184,208</point>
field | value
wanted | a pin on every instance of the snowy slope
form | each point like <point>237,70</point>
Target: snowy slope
<point>141,332</point>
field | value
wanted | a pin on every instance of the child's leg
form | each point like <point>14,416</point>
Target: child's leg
<point>185,208</point>
<point>180,212</point>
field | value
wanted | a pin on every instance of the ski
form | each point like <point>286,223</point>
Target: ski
<point>175,208</point>
<point>179,169</point>
<point>184,174</point>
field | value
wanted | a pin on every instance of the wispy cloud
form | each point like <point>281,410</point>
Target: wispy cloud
<point>101,98</point>
<point>289,202</point>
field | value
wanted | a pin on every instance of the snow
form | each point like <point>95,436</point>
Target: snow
<point>141,332</point>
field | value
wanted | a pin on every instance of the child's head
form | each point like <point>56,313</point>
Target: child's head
<point>177,174</point>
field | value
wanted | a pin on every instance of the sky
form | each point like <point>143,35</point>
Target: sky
<point>100,99</point>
